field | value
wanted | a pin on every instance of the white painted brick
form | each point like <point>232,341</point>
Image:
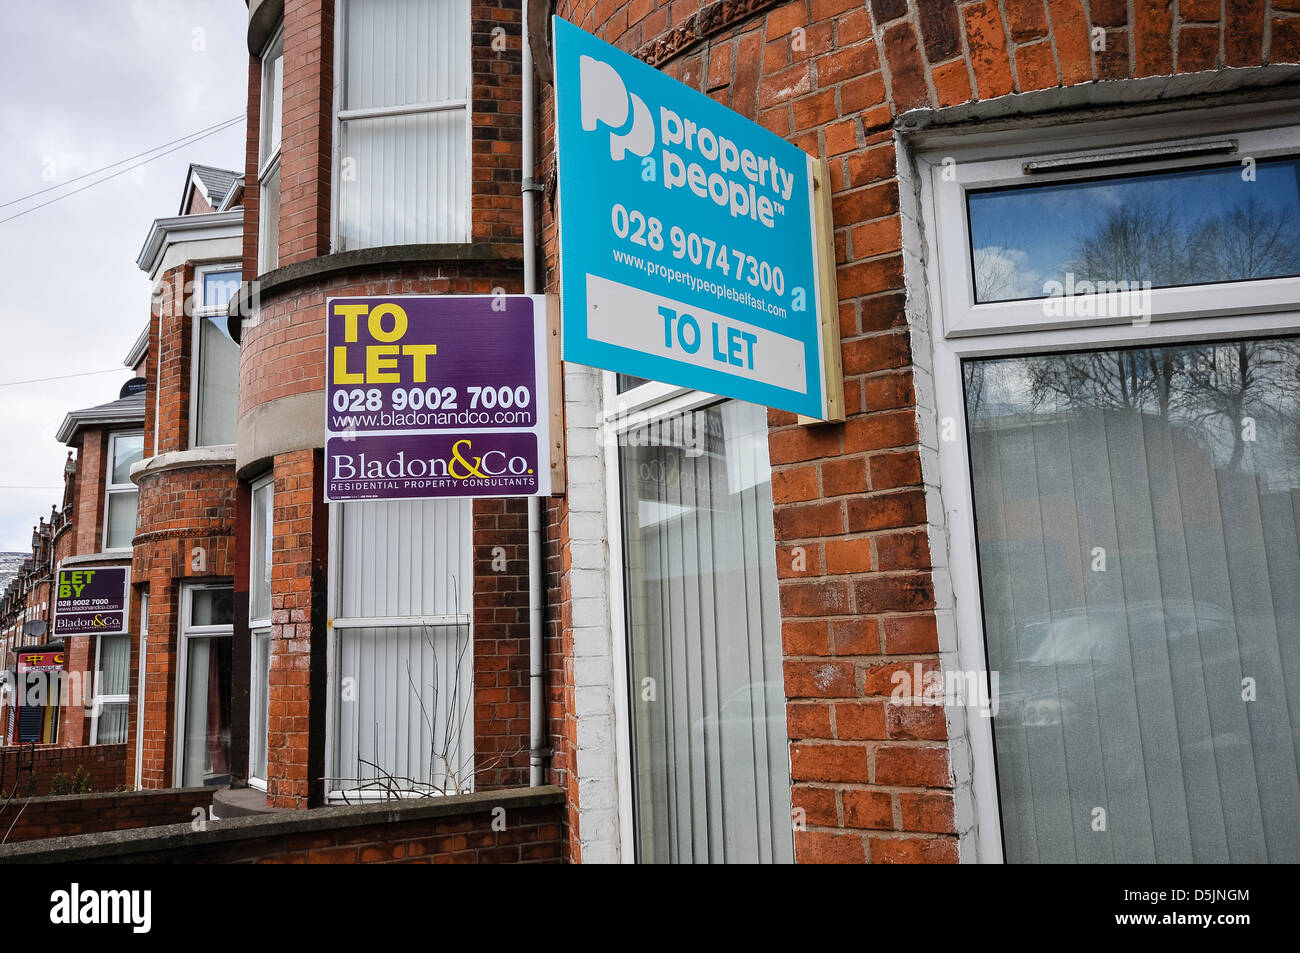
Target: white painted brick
<point>592,670</point>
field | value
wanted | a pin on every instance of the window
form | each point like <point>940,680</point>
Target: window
<point>259,624</point>
<point>216,365</point>
<point>1187,227</point>
<point>203,706</point>
<point>402,135</point>
<point>124,450</point>
<point>268,167</point>
<point>112,690</point>
<point>710,763</point>
<point>401,638</point>
<point>1131,476</point>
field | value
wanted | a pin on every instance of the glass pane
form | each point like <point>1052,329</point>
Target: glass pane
<point>111,729</point>
<point>405,557</point>
<point>219,287</point>
<point>408,181</point>
<point>272,98</point>
<point>269,212</point>
<point>627,381</point>
<point>218,391</point>
<point>121,519</point>
<point>114,664</point>
<point>128,450</point>
<point>410,722</point>
<point>206,755</point>
<point>1137,519</point>
<point>712,775</point>
<point>261,701</point>
<point>400,52</point>
<point>1167,228</point>
<point>259,597</point>
<point>212,607</point>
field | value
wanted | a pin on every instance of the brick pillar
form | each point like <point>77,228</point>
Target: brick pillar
<point>160,678</point>
<point>74,725</point>
<point>308,130</point>
<point>501,717</point>
<point>296,720</point>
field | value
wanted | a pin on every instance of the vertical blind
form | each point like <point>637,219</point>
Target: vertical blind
<point>1137,516</point>
<point>404,178</point>
<point>710,750</point>
<point>405,694</point>
<point>113,679</point>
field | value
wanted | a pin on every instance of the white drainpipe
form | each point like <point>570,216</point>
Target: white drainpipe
<point>536,611</point>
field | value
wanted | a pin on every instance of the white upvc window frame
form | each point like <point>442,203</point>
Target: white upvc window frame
<point>958,330</point>
<point>186,631</point>
<point>201,312</point>
<point>98,701</point>
<point>258,629</point>
<point>333,665</point>
<point>111,489</point>
<point>620,413</point>
<point>269,161</point>
<point>342,115</point>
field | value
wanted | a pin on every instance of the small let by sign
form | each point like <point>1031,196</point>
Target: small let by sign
<point>91,600</point>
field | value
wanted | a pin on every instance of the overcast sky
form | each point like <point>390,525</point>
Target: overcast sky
<point>85,83</point>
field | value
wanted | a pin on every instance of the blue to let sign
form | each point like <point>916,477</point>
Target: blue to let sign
<point>689,246</point>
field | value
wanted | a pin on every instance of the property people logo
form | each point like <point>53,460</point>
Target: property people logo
<point>605,99</point>
<point>695,158</point>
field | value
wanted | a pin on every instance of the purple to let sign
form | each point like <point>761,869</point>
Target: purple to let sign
<point>91,601</point>
<point>436,396</point>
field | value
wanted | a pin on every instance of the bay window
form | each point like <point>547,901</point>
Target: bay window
<point>120,494</point>
<point>214,407</point>
<point>268,166</point>
<point>1117,379</point>
<point>259,624</point>
<point>401,598</point>
<point>111,690</point>
<point>706,696</point>
<point>203,700</point>
<point>402,131</point>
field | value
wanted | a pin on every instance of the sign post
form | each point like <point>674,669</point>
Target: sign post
<point>694,244</point>
<point>91,600</point>
<point>437,396</point>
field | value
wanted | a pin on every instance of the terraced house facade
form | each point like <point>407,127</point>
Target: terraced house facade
<point>1031,600</point>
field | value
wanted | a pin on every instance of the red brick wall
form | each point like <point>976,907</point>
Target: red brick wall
<point>496,206</point>
<point>171,338</point>
<point>99,812</point>
<point>473,831</point>
<point>185,534</point>
<point>88,510</point>
<point>307,137</point>
<point>103,764</point>
<point>284,353</point>
<point>295,766</point>
<point>501,661</point>
<point>252,193</point>
<point>873,778</point>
